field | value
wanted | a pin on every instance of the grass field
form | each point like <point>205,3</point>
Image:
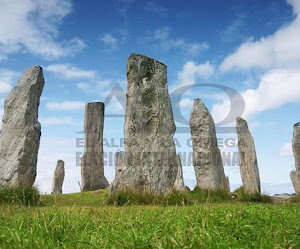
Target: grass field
<point>86,221</point>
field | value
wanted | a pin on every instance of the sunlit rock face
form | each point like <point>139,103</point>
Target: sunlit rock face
<point>248,161</point>
<point>207,158</point>
<point>151,162</point>
<point>21,131</point>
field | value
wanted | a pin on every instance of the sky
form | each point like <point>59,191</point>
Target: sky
<point>250,46</point>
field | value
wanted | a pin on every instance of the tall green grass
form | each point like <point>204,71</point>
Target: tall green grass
<point>230,225</point>
<point>210,196</point>
<point>241,195</point>
<point>131,197</point>
<point>28,196</point>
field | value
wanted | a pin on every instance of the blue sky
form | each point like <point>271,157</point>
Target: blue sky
<point>250,46</point>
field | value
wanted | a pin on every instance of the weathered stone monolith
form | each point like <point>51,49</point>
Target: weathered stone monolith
<point>295,174</point>
<point>179,183</point>
<point>92,168</point>
<point>21,131</point>
<point>151,160</point>
<point>207,158</point>
<point>248,161</point>
<point>120,163</point>
<point>58,178</point>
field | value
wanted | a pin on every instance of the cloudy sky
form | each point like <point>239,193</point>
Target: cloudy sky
<point>252,47</point>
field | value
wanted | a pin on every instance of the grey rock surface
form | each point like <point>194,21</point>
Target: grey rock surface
<point>227,184</point>
<point>120,163</point>
<point>92,168</point>
<point>295,177</point>
<point>179,183</point>
<point>295,174</point>
<point>248,161</point>
<point>151,159</point>
<point>207,158</point>
<point>21,131</point>
<point>58,178</point>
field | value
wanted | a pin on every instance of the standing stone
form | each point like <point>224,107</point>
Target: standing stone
<point>151,160</point>
<point>248,161</point>
<point>179,183</point>
<point>92,168</point>
<point>120,163</point>
<point>21,131</point>
<point>295,174</point>
<point>227,184</point>
<point>206,154</point>
<point>58,178</point>
<point>295,177</point>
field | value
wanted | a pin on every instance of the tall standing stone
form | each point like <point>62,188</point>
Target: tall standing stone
<point>92,168</point>
<point>21,131</point>
<point>151,160</point>
<point>179,183</point>
<point>58,178</point>
<point>206,154</point>
<point>120,163</point>
<point>248,161</point>
<point>295,174</point>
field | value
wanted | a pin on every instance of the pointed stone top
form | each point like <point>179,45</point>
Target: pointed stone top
<point>31,76</point>
<point>198,101</point>
<point>133,56</point>
<point>240,121</point>
<point>297,124</point>
<point>199,106</point>
<point>60,161</point>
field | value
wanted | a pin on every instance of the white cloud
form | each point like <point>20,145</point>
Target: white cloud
<point>110,42</point>
<point>20,32</point>
<point>6,79</point>
<point>191,71</point>
<point>69,71</point>
<point>186,102</point>
<point>280,49</point>
<point>58,121</point>
<point>286,150</point>
<point>83,86</point>
<point>253,125</point>
<point>154,8</point>
<point>165,42</point>
<point>233,32</point>
<point>276,88</point>
<point>66,105</point>
<point>114,39</point>
<point>103,83</point>
<point>278,55</point>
